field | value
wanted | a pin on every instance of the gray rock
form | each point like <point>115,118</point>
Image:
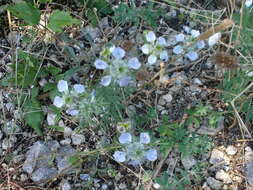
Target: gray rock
<point>66,186</point>
<point>223,176</point>
<point>197,81</point>
<point>65,141</point>
<point>91,32</point>
<point>62,159</point>
<point>188,161</point>
<point>67,132</point>
<point>231,150</point>
<point>249,165</point>
<point>23,177</point>
<point>77,139</point>
<point>104,187</point>
<point>44,174</point>
<point>218,157</point>
<point>167,98</point>
<point>213,183</point>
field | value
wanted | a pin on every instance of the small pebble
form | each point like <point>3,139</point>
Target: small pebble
<point>231,150</point>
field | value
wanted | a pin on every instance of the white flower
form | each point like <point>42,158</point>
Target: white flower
<point>119,156</point>
<point>164,55</point>
<point>100,64</point>
<point>144,138</point>
<point>51,118</point>
<point>58,101</point>
<point>152,59</point>
<point>125,138</point>
<point>192,55</point>
<point>178,49</point>
<point>195,33</point>
<point>72,112</point>
<point>151,154</point>
<point>134,63</point>
<point>146,49</point>
<point>79,88</point>
<point>124,81</point>
<point>200,44</point>
<point>161,41</point>
<point>118,53</point>
<point>106,80</point>
<point>150,36</point>
<point>156,185</point>
<point>214,39</point>
<point>248,3</point>
<point>62,86</point>
<point>180,37</point>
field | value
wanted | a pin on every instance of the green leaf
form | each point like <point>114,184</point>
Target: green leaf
<point>26,11</point>
<point>33,115</point>
<point>45,1</point>
<point>60,19</point>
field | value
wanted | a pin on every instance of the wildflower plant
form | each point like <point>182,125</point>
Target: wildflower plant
<point>116,66</point>
<point>78,101</point>
<point>135,150</point>
<point>154,48</point>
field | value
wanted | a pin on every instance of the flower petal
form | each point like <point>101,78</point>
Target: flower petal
<point>100,64</point>
<point>51,118</point>
<point>146,49</point>
<point>192,55</point>
<point>214,39</point>
<point>72,112</point>
<point>248,3</point>
<point>161,41</point>
<point>118,53</point>
<point>106,80</point>
<point>79,88</point>
<point>195,33</point>
<point>180,37</point>
<point>58,101</point>
<point>124,81</point>
<point>144,138</point>
<point>62,86</point>
<point>151,155</point>
<point>200,44</point>
<point>119,156</point>
<point>178,49</point>
<point>164,55</point>
<point>150,36</point>
<point>152,59</point>
<point>125,138</point>
<point>134,63</point>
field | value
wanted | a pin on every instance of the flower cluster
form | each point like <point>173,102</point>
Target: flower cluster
<point>155,48</point>
<point>135,152</point>
<point>78,101</point>
<point>248,3</point>
<point>116,66</point>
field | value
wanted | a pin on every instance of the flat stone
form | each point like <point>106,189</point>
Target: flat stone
<point>214,184</point>
<point>223,176</point>
<point>218,157</point>
<point>188,162</point>
<point>77,139</point>
<point>43,174</point>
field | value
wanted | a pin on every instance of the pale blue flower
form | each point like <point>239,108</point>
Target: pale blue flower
<point>79,88</point>
<point>180,37</point>
<point>146,49</point>
<point>124,81</point>
<point>119,156</point>
<point>84,177</point>
<point>151,155</point>
<point>58,101</point>
<point>72,111</point>
<point>118,53</point>
<point>195,33</point>
<point>144,138</point>
<point>178,49</point>
<point>161,41</point>
<point>192,55</point>
<point>134,63</point>
<point>125,138</point>
<point>214,39</point>
<point>187,29</point>
<point>248,3</point>
<point>62,86</point>
<point>100,64</point>
<point>200,44</point>
<point>150,36</point>
<point>164,55</point>
<point>106,80</point>
<point>152,59</point>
